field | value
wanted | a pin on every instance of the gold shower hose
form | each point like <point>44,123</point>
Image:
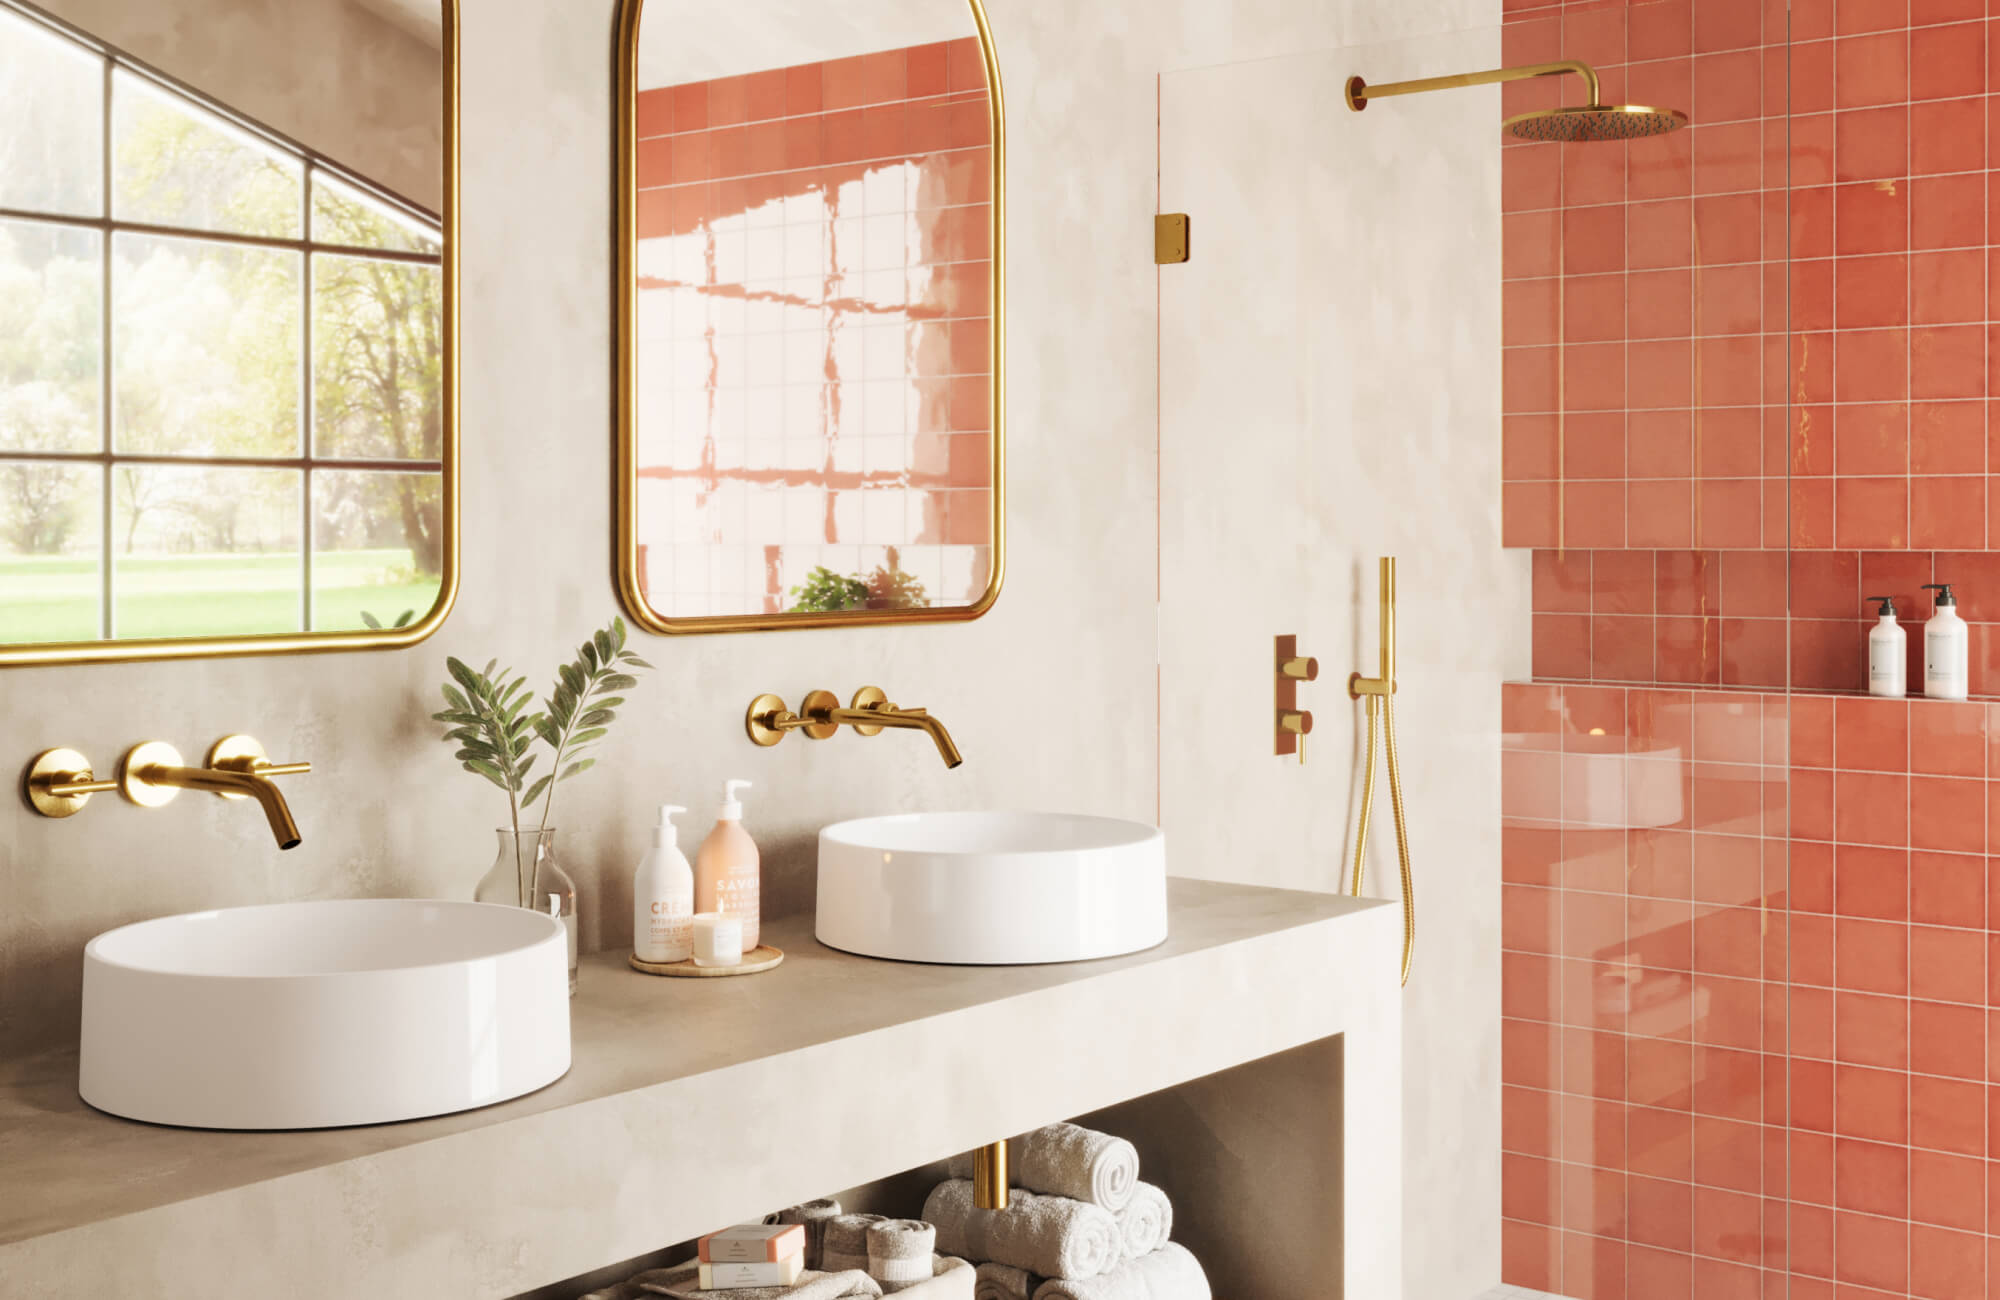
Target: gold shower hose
<point>1378,698</point>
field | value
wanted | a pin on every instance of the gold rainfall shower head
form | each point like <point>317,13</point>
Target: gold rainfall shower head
<point>1585,122</point>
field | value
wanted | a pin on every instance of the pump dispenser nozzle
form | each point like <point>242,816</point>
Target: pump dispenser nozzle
<point>731,809</point>
<point>1943,589</point>
<point>1887,608</point>
<point>667,835</point>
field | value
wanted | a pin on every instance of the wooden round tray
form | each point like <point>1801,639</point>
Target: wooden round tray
<point>761,958</point>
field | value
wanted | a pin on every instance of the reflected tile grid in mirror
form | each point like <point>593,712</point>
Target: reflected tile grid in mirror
<point>813,406</point>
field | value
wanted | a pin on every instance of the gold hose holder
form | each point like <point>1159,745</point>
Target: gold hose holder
<point>989,1176</point>
<point>1378,698</point>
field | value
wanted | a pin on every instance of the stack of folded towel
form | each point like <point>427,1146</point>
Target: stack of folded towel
<point>1083,1227</point>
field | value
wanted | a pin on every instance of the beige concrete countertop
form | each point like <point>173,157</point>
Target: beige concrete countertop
<point>691,1104</point>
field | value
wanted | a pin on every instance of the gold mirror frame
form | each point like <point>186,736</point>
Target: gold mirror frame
<point>138,648</point>
<point>625,206</point>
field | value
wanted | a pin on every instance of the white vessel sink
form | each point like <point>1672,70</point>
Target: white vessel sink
<point>991,888</point>
<point>314,1015</point>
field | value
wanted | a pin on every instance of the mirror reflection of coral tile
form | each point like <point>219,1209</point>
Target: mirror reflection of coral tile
<point>812,416</point>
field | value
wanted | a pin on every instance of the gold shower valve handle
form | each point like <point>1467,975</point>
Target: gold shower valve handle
<point>1304,668</point>
<point>1297,722</point>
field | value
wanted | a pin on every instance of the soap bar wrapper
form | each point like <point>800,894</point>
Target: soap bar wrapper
<point>753,1243</point>
<point>782,1272</point>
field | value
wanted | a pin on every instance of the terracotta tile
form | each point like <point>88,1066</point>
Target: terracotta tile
<point>1871,291</point>
<point>1870,881</point>
<point>1872,365</point>
<point>690,110</point>
<point>1872,69</point>
<point>1871,439</point>
<point>1948,361</point>
<point>1659,512</point>
<point>1947,889</point>
<point>1562,646</point>
<point>1872,956</point>
<point>1594,377</point>
<point>1562,582</point>
<point>1593,514</point>
<point>1947,965</point>
<point>1754,652</point>
<point>1947,437</point>
<point>1870,218</point>
<point>1812,294</point>
<point>1948,1115</point>
<point>1870,1104</point>
<point>1528,1190</point>
<point>1942,212</point>
<point>1530,1255</point>
<point>1593,445</point>
<point>1726,26</point>
<point>1727,157</point>
<point>1661,304</point>
<point>1726,1225</point>
<point>1948,1039</point>
<point>1871,144</point>
<point>1871,1177</point>
<point>1948,511</point>
<point>1945,1265</point>
<point>1948,135</point>
<point>1872,1030</point>
<point>1871,735</point>
<point>1871,512</point>
<point>1869,15</point>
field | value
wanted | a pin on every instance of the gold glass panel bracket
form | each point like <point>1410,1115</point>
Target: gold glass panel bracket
<point>59,782</point>
<point>1580,123</point>
<point>386,631</point>
<point>630,549</point>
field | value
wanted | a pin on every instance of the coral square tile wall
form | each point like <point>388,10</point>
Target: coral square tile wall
<point>1752,956</point>
<point>813,241</point>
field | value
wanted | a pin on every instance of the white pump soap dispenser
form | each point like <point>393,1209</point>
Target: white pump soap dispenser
<point>1888,653</point>
<point>663,896</point>
<point>1945,648</point>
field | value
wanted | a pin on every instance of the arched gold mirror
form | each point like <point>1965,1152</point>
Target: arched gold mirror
<point>227,326</point>
<point>809,313</point>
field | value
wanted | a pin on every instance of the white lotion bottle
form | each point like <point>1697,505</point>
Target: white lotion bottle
<point>663,896</point>
<point>1945,648</point>
<point>728,877</point>
<point>1888,653</point>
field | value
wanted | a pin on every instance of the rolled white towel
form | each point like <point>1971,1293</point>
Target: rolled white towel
<point>1070,1160</point>
<point>813,1216</point>
<point>1147,1222</point>
<point>899,1253</point>
<point>1004,1282</point>
<point>1053,1236</point>
<point>843,1243</point>
<point>952,1280</point>
<point>683,1282</point>
<point>1169,1273</point>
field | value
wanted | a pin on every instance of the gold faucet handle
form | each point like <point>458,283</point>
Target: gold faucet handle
<point>246,754</point>
<point>875,700</point>
<point>1303,668</point>
<point>59,783</point>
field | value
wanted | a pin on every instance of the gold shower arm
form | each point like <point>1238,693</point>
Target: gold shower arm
<point>1360,92</point>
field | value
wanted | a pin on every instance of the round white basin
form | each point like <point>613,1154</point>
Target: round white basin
<point>321,1014</point>
<point>991,888</point>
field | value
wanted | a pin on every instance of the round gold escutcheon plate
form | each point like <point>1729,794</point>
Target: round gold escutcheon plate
<point>819,707</point>
<point>237,754</point>
<point>867,698</point>
<point>131,769</point>
<point>53,767</point>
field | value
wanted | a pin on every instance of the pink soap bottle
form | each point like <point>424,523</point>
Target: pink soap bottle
<point>726,874</point>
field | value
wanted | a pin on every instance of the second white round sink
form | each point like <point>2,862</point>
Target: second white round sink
<point>321,1014</point>
<point>991,888</point>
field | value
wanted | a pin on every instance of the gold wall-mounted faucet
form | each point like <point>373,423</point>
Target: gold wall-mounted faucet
<point>59,782</point>
<point>820,715</point>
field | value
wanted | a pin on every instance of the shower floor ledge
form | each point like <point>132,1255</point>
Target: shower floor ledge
<point>693,1104</point>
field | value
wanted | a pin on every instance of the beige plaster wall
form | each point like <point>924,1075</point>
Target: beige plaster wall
<point>331,74</point>
<point>1052,696</point>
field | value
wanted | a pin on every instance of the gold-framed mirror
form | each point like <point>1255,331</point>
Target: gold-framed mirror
<point>228,327</point>
<point>810,313</point>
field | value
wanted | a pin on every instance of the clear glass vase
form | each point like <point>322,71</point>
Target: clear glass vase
<point>527,874</point>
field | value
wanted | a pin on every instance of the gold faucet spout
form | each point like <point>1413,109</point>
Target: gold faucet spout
<point>888,715</point>
<point>252,785</point>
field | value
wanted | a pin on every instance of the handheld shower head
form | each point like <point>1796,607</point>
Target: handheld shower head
<point>1578,123</point>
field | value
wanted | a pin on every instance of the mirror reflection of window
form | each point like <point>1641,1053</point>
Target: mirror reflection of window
<point>221,375</point>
